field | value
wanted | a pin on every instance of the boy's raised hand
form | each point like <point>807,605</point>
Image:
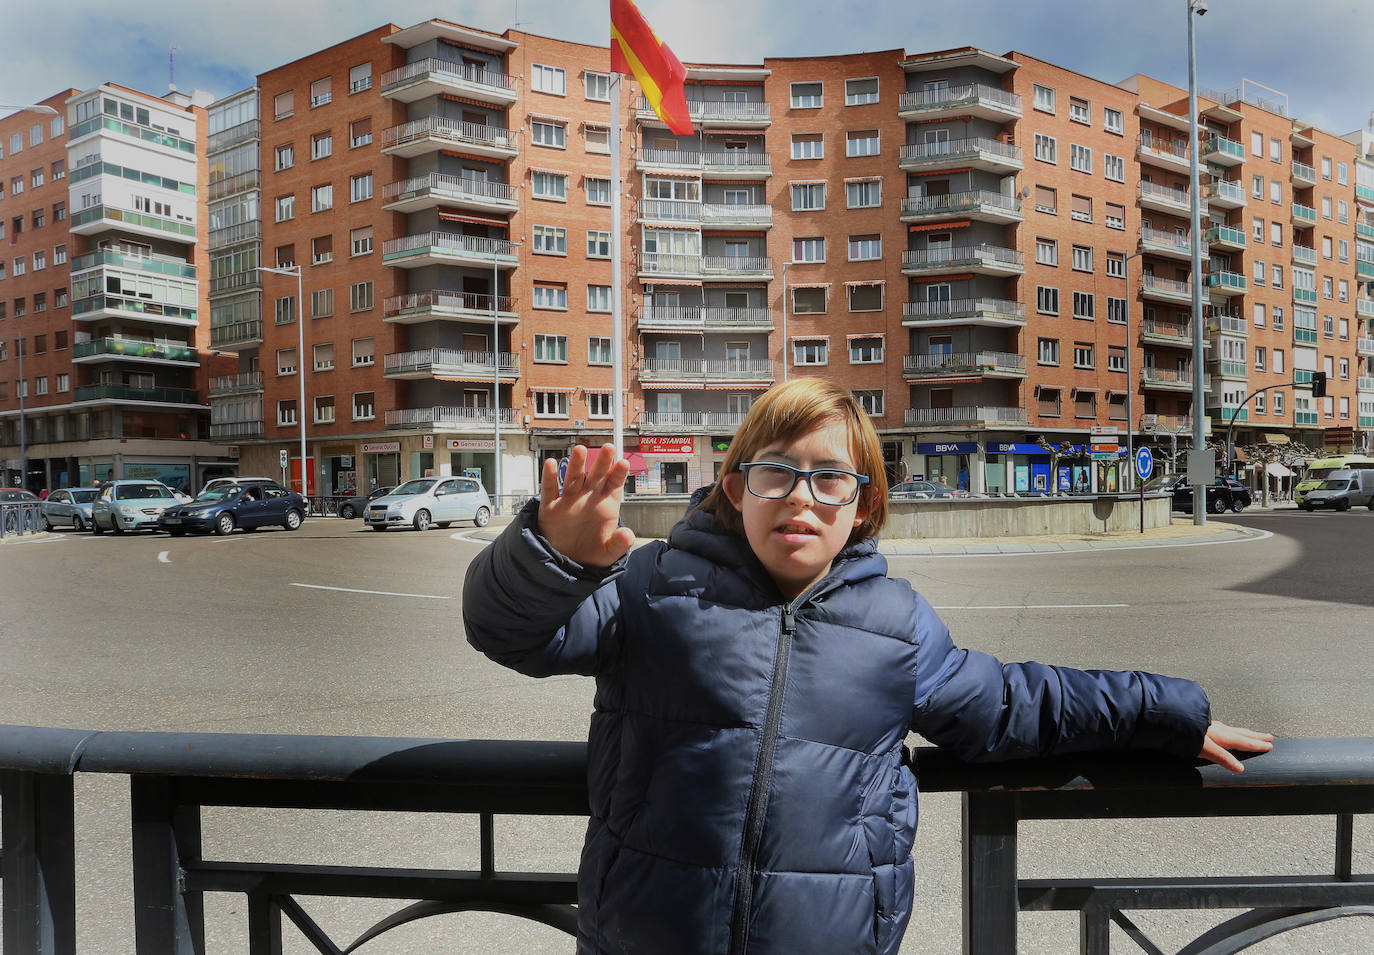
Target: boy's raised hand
<point>581,520</point>
<point>1222,738</point>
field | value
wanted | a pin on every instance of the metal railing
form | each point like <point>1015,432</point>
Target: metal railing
<point>458,415</point>
<point>1302,170</point>
<point>437,360</point>
<point>1155,283</point>
<point>450,71</point>
<point>972,308</point>
<point>963,363</point>
<point>693,420</point>
<point>1175,241</point>
<point>248,381</point>
<point>684,158</point>
<point>1162,147</point>
<point>704,316</point>
<point>982,414</point>
<point>960,202</point>
<point>944,256</point>
<point>949,97</point>
<point>959,148</point>
<point>18,518</point>
<point>247,331</point>
<point>707,369</point>
<point>445,299</point>
<point>451,242</point>
<point>447,185</point>
<point>715,110</point>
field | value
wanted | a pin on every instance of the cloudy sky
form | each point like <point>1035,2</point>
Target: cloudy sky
<point>1315,51</point>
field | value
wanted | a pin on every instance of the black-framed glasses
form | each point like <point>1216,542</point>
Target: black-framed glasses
<point>773,481</point>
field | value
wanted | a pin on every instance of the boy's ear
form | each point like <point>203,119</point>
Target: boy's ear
<point>733,486</point>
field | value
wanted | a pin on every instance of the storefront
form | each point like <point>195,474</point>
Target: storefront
<point>671,469</point>
<point>946,462</point>
<point>474,457</point>
<point>381,463</point>
<point>1021,468</point>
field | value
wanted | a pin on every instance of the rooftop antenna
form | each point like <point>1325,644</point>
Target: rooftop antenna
<point>172,68</point>
<point>1371,119</point>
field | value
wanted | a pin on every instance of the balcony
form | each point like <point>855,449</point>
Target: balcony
<point>1364,307</point>
<point>1225,414</point>
<point>708,113</point>
<point>232,185</point>
<point>116,394</point>
<point>988,155</point>
<point>1364,192</point>
<point>1166,424</point>
<point>704,318</point>
<point>672,211</point>
<point>1162,154</point>
<point>435,133</point>
<point>1229,369</point>
<point>1225,194</point>
<point>691,422</point>
<point>147,352</point>
<point>1221,151</point>
<point>1174,202</point>
<point>1167,379</point>
<point>99,307</point>
<point>950,102</point>
<point>458,418</point>
<point>448,248</point>
<point>1304,336</point>
<point>235,430</point>
<point>246,383</point>
<point>724,215</point>
<point>1304,215</point>
<point>235,282</point>
<point>1225,237</point>
<point>1304,174</point>
<point>446,306</point>
<point>1365,270</point>
<point>1172,334</point>
<point>236,336</point>
<point>1228,325</point>
<point>437,189</point>
<point>99,219</point>
<point>719,268</point>
<point>1365,230</point>
<point>979,204</point>
<point>1172,245</point>
<point>981,416</point>
<point>450,364</point>
<point>1364,347</point>
<point>1304,255</point>
<point>1306,419</point>
<point>435,77</point>
<point>942,367</point>
<point>1166,290</point>
<point>997,313</point>
<point>1307,296</point>
<point>700,371</point>
<point>727,164</point>
<point>1226,284</point>
<point>154,264</point>
<point>979,259</point>
<point>1364,383</point>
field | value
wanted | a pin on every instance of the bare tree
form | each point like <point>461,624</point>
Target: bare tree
<point>1063,449</point>
<point>1292,456</point>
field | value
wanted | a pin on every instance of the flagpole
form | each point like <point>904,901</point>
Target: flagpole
<point>617,336</point>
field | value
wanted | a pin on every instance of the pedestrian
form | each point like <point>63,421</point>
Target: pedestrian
<point>757,675</point>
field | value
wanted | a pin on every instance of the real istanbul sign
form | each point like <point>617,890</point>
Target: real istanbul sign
<point>657,444</point>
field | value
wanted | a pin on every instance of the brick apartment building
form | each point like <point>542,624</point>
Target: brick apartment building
<point>992,252</point>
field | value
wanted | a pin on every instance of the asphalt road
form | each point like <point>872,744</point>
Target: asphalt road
<point>272,632</point>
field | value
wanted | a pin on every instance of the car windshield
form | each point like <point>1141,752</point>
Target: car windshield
<point>84,496</point>
<point>135,492</point>
<point>16,496</point>
<point>380,491</point>
<point>415,487</point>
<point>1339,484</point>
<point>1160,481</point>
<point>222,493</point>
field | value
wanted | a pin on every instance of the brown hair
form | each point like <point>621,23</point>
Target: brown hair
<point>785,413</point>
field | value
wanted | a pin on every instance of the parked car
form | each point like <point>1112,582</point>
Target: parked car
<point>221,509</point>
<point>15,495</point>
<point>221,481</point>
<point>69,506</point>
<point>916,490</point>
<point>1225,494</point>
<point>1342,490</point>
<point>355,506</point>
<point>129,505</point>
<point>425,501</point>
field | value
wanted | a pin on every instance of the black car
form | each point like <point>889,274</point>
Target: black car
<point>221,509</point>
<point>1225,494</point>
<point>355,506</point>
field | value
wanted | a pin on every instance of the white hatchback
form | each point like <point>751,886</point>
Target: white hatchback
<point>425,501</point>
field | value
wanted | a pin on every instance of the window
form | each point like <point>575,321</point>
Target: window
<point>865,298</point>
<point>598,404</point>
<point>360,187</point>
<point>1046,148</point>
<point>550,404</point>
<point>1345,369</point>
<point>548,79</point>
<point>597,86</point>
<point>285,104</point>
<point>59,211</point>
<point>808,196</point>
<point>598,191</point>
<point>322,303</point>
<point>360,132</point>
<point>1084,403</point>
<point>814,352</point>
<point>16,142</point>
<point>598,298</point>
<point>1116,310</point>
<point>551,296</point>
<point>861,92</point>
<point>1112,121</point>
<point>550,240</point>
<point>871,402</point>
<point>865,351</point>
<point>359,78</point>
<point>598,244</point>
<point>1046,200</point>
<point>286,361</point>
<point>545,133</point>
<point>1276,192</point>
<point>40,262</point>
<point>360,296</point>
<point>36,178</point>
<point>1116,265</point>
<point>363,353</point>
<point>21,265</point>
<point>1326,207</point>
<point>286,156</point>
<point>1044,99</point>
<point>808,250</point>
<point>1047,300</point>
<point>59,300</point>
<point>808,146</point>
<point>1275,150</point>
<point>1276,276</point>
<point>550,185</point>
<point>1343,250</point>
<point>864,195</point>
<point>57,125</point>
<point>1114,167</point>
<point>1328,327</point>
<point>1326,247</point>
<point>360,241</point>
<point>1116,215</point>
<point>596,139</point>
<point>1048,401</point>
<point>64,382</point>
<point>364,406</point>
<point>321,145</point>
<point>1257,225</point>
<point>864,248</point>
<point>1116,358</point>
<point>1342,173</point>
<point>1278,318</point>
<point>1257,187</point>
<point>1343,291</point>
<point>324,356</point>
<point>324,409</point>
<point>1276,233</point>
<point>807,95</point>
<point>321,198</point>
<point>1259,315</point>
<point>1046,252</point>
<point>1079,111</point>
<point>40,304</point>
<point>808,301</point>
<point>16,185</point>
<point>1080,158</point>
<point>321,92</point>
<point>1326,167</point>
<point>1083,305</point>
<point>286,310</point>
<point>1048,351</point>
<point>599,349</point>
<point>1256,144</point>
<point>551,348</point>
<point>861,142</point>
<point>1342,211</point>
<point>1260,272</point>
<point>1082,208</point>
<point>1082,258</point>
<point>1083,355</point>
<point>1278,401</point>
<point>1327,285</point>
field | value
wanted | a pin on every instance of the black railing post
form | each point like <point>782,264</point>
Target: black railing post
<point>989,873</point>
<point>167,920</point>
<point>264,924</point>
<point>37,864</point>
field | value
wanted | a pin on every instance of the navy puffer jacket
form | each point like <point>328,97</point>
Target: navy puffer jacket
<point>746,774</point>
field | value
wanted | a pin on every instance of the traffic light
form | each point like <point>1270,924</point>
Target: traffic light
<point>1318,384</point>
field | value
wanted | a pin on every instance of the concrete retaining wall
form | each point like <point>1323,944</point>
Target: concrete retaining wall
<point>991,517</point>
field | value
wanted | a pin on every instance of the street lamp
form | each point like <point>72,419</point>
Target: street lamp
<point>496,377</point>
<point>300,359</point>
<point>1195,456</point>
<point>21,386</point>
<point>43,110</point>
<point>785,346</point>
<point>1130,382</point>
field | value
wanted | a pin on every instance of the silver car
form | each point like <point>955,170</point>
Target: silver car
<point>69,506</point>
<point>130,506</point>
<point>425,501</point>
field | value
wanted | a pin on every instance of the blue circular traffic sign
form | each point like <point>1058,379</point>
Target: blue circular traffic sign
<point>1144,463</point>
<point>562,471</point>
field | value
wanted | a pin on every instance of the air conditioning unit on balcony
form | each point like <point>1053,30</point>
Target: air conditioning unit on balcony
<point>579,422</point>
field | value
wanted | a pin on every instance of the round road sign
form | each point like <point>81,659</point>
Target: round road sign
<point>1144,463</point>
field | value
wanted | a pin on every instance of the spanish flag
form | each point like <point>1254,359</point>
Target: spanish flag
<point>637,51</point>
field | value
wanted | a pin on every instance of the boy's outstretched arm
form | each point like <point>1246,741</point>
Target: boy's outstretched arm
<point>1221,738</point>
<point>582,520</point>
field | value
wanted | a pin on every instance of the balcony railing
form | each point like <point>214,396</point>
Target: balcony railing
<point>1302,213</point>
<point>132,348</point>
<point>181,396</point>
<point>1304,172</point>
<point>1003,311</point>
<point>1228,192</point>
<point>962,203</point>
<point>451,131</point>
<point>432,361</point>
<point>670,210</point>
<point>1364,346</point>
<point>448,70</point>
<point>705,265</point>
<point>451,242</point>
<point>1171,241</point>
<point>706,369</point>
<point>724,213</point>
<point>152,311</point>
<point>1364,383</point>
<point>690,159</point>
<point>708,421</point>
<point>448,416</point>
<point>1304,254</point>
<point>704,317</point>
<point>1181,332</point>
<point>952,97</point>
<point>449,186</point>
<point>971,257</point>
<point>980,416</point>
<point>236,332</point>
<point>243,383</point>
<point>961,149</point>
<point>711,111</point>
<point>1167,424</point>
<point>1230,324</point>
<point>963,363</point>
<point>1162,149</point>
<point>445,301</point>
<point>1306,295</point>
<point>157,264</point>
<point>1219,148</point>
<point>1172,376</point>
<point>175,227</point>
<point>233,136</point>
<point>244,181</point>
<point>231,430</point>
<point>1163,286</point>
<point>1224,280</point>
<point>1176,198</point>
<point>1226,236</point>
<point>1364,307</point>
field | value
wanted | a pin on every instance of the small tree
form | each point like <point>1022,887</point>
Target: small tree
<point>1063,449</point>
<point>1292,456</point>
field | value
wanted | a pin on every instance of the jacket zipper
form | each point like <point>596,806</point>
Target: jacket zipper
<point>758,791</point>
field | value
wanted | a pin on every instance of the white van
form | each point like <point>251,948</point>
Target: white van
<point>1342,490</point>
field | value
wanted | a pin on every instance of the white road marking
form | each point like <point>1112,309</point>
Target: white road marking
<point>162,556</point>
<point>1035,607</point>
<point>379,593</point>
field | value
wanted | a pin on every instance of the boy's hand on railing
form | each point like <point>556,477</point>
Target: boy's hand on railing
<point>581,520</point>
<point>1221,738</point>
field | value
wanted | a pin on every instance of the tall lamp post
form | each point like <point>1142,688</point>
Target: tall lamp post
<point>1198,7</point>
<point>43,110</point>
<point>496,379</point>
<point>785,345</point>
<point>1130,381</point>
<point>300,360</point>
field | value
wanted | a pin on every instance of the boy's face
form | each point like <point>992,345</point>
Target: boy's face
<point>794,537</point>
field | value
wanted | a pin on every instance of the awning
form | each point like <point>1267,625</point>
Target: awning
<point>1278,470</point>
<point>867,282</point>
<point>878,335</point>
<point>805,182</point>
<point>1271,437</point>
<point>693,283</point>
<point>475,220</point>
<point>863,179</point>
<point>940,227</point>
<point>811,338</point>
<point>550,116</point>
<point>636,462</point>
<point>549,170</point>
<point>808,285</point>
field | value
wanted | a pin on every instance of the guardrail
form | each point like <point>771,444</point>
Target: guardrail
<point>20,517</point>
<point>174,775</point>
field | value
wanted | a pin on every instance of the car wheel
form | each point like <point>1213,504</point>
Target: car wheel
<point>483,517</point>
<point>1344,506</point>
<point>114,526</point>
<point>79,522</point>
<point>224,524</point>
<point>422,520</point>
<point>377,527</point>
<point>47,524</point>
<point>347,512</point>
<point>1216,505</point>
<point>1308,508</point>
<point>1237,505</point>
<point>293,520</point>
<point>442,525</point>
<point>95,527</point>
<point>176,533</point>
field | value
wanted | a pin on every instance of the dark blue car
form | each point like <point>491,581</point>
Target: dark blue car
<point>220,509</point>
